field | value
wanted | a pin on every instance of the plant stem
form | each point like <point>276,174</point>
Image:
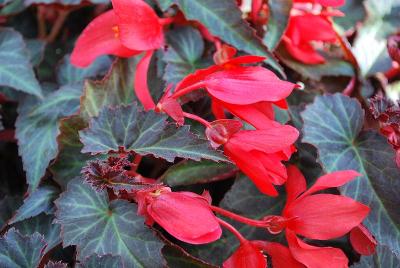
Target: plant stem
<point>233,230</point>
<point>239,218</point>
<point>55,30</point>
<point>186,90</point>
<point>198,119</point>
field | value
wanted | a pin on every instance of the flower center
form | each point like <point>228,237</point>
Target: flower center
<point>217,135</point>
<point>276,224</point>
<point>116,31</point>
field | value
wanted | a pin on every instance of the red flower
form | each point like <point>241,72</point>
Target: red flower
<point>362,240</point>
<point>246,91</point>
<point>130,28</point>
<point>326,3</point>
<point>247,255</point>
<point>280,255</point>
<point>185,215</point>
<point>317,216</point>
<point>302,30</point>
<point>258,153</point>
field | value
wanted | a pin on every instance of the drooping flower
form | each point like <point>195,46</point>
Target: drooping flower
<point>185,215</point>
<point>247,255</point>
<point>317,216</point>
<point>246,91</point>
<point>258,153</point>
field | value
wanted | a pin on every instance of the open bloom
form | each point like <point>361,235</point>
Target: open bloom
<point>306,26</point>
<point>185,215</point>
<point>258,153</point>
<point>246,91</point>
<point>130,28</point>
<point>317,216</point>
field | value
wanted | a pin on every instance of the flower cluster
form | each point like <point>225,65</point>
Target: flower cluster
<point>241,91</point>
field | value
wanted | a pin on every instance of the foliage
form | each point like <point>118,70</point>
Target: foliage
<point>176,133</point>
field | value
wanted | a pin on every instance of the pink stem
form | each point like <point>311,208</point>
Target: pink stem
<point>198,119</point>
<point>233,230</point>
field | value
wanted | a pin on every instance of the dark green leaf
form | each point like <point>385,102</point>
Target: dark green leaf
<point>333,124</point>
<point>36,50</point>
<point>15,69</point>
<point>44,225</point>
<point>277,22</point>
<point>37,129</point>
<point>184,54</point>
<point>145,133</point>
<point>191,172</point>
<point>370,43</point>
<point>382,258</point>
<point>114,89</point>
<point>224,19</point>
<point>332,67</point>
<point>244,199</point>
<point>98,226</point>
<point>176,257</point>
<point>69,74</point>
<point>8,205</point>
<point>104,261</point>
<point>41,200</point>
<point>18,251</point>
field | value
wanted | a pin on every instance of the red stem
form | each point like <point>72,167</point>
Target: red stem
<point>239,218</point>
<point>198,119</point>
<point>136,162</point>
<point>186,90</point>
<point>233,230</point>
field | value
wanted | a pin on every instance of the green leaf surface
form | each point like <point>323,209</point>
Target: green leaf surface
<point>41,200</point>
<point>224,19</point>
<point>184,54</point>
<point>114,89</point>
<point>369,46</point>
<point>382,258</point>
<point>8,205</point>
<point>103,261</point>
<point>99,226</point>
<point>277,22</point>
<point>44,225</point>
<point>18,251</point>
<point>69,74</point>
<point>244,199</point>
<point>37,129</point>
<point>333,125</point>
<point>332,67</point>
<point>192,172</point>
<point>354,11</point>
<point>15,68</point>
<point>36,50</point>
<point>176,257</point>
<point>145,133</point>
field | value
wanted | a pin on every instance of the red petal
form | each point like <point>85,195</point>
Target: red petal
<point>295,185</point>
<point>186,217</point>
<point>311,28</point>
<point>331,3</point>
<point>172,108</point>
<point>269,140</point>
<point>304,53</point>
<point>139,25</point>
<point>315,257</point>
<point>249,163</point>
<point>196,77</point>
<point>362,240</point>
<point>281,256</point>
<point>98,38</point>
<point>247,85</point>
<point>247,255</point>
<point>260,115</point>
<point>325,216</point>
<point>217,109</point>
<point>334,179</point>
<point>276,170</point>
<point>141,87</point>
<point>247,59</point>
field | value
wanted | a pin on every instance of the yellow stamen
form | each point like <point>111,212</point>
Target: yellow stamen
<point>116,31</point>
